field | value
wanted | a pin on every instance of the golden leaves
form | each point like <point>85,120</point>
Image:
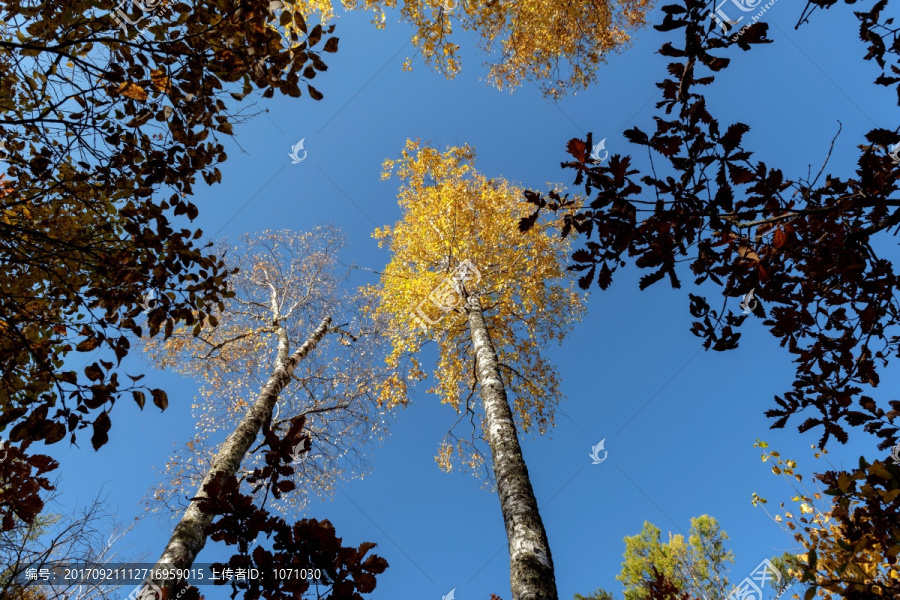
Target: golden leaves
<point>159,80</point>
<point>830,557</point>
<point>454,216</point>
<point>129,89</point>
<point>557,45</point>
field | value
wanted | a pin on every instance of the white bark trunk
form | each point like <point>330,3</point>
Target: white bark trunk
<point>189,536</point>
<point>530,564</point>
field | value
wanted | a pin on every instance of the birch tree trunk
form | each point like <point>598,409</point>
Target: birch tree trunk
<point>189,536</point>
<point>530,564</point>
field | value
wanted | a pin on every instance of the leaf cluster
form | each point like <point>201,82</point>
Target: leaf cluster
<point>107,130</point>
<point>806,248</point>
<point>347,572</point>
<point>23,477</point>
<point>847,530</point>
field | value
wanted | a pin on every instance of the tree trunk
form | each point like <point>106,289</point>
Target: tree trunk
<point>189,535</point>
<point>530,564</point>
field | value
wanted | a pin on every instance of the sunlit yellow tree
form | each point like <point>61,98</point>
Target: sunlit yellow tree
<point>492,299</point>
<point>558,45</point>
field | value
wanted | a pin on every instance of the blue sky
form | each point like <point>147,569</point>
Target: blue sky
<point>679,422</point>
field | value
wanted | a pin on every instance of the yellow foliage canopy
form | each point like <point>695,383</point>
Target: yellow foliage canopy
<point>559,45</point>
<point>454,217</point>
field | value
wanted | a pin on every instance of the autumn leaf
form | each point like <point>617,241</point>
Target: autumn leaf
<point>139,398</point>
<point>159,80</point>
<point>132,90</point>
<point>160,399</point>
<point>101,425</point>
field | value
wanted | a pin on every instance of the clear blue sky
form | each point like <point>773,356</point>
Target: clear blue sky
<point>686,453</point>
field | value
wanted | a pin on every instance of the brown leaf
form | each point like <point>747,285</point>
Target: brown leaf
<point>140,398</point>
<point>88,344</point>
<point>160,398</point>
<point>102,425</point>
<point>780,238</point>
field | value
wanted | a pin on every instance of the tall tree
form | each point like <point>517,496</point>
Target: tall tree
<point>107,119</point>
<point>286,298</point>
<point>804,253</point>
<point>694,567</point>
<point>294,279</point>
<point>494,301</point>
<point>697,564</point>
<point>558,46</point>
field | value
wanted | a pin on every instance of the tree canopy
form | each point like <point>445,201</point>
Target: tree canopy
<point>291,281</point>
<point>557,46</point>
<point>845,525</point>
<point>456,219</point>
<point>803,250</point>
<point>106,128</point>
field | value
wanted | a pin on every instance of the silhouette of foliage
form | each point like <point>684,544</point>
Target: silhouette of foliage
<point>22,479</point>
<point>805,248</point>
<point>662,587</point>
<point>347,572</point>
<point>106,129</point>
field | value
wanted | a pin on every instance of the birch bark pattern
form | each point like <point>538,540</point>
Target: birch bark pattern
<point>530,564</point>
<point>189,536</point>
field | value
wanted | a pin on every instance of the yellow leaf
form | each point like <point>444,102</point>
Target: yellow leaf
<point>159,80</point>
<point>132,90</point>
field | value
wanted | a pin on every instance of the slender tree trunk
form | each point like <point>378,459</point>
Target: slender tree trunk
<point>189,536</point>
<point>530,564</point>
